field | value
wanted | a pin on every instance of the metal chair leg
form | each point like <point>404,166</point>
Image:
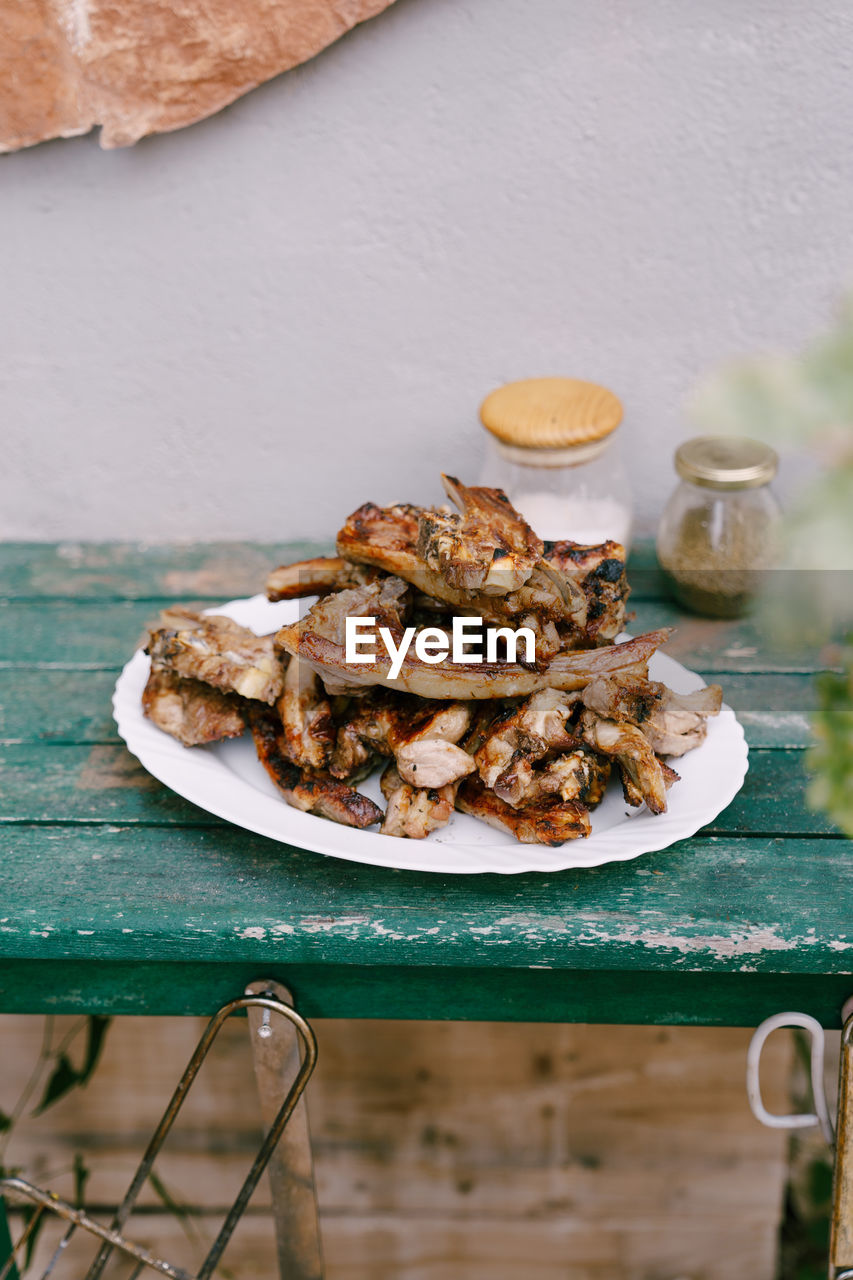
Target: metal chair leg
<point>280,1093</point>
<point>276,1054</point>
<point>841,1239</point>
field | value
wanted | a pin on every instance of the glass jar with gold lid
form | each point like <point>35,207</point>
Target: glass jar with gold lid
<point>551,451</point>
<point>719,532</point>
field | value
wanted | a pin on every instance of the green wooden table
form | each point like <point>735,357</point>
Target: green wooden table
<point>118,897</point>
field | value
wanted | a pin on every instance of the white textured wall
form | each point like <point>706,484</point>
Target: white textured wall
<point>247,328</point>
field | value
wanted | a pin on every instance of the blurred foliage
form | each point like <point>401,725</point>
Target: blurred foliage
<point>804,402</point>
<point>804,1235</point>
<point>830,759</point>
<point>63,1077</point>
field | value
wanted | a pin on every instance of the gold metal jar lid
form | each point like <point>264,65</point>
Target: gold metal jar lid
<point>726,462</point>
<point>550,413</point>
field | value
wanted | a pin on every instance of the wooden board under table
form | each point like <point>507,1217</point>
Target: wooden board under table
<point>116,896</point>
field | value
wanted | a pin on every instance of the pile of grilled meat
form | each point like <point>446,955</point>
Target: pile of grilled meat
<point>526,747</point>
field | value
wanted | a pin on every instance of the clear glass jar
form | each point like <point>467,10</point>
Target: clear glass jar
<point>719,532</point>
<point>552,452</point>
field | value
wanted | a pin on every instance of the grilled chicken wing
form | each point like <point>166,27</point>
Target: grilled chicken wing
<point>218,652</point>
<point>303,789</point>
<point>673,723</point>
<point>551,821</point>
<point>642,772</point>
<point>190,711</point>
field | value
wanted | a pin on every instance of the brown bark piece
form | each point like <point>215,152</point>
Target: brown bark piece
<point>68,65</point>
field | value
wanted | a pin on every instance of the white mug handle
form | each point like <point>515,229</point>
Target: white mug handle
<point>753,1076</point>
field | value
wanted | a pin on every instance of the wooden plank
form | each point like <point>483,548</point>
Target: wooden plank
<point>714,904</point>
<point>103,783</point>
<point>57,706</point>
<point>580,1131</point>
<point>140,571</point>
<point>775,710</point>
<point>96,634</point>
<point>74,706</point>
<point>465,993</point>
<point>431,1247</point>
<point>64,635</point>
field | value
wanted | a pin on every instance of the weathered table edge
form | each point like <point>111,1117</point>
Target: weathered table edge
<point>179,988</point>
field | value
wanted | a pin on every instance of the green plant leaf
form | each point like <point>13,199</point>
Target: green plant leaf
<point>96,1031</point>
<point>62,1080</point>
<point>5,1122</point>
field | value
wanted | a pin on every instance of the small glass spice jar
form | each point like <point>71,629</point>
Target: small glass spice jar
<point>551,452</point>
<point>719,532</point>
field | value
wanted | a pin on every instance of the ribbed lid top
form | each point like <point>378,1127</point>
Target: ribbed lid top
<point>726,462</point>
<point>550,413</point>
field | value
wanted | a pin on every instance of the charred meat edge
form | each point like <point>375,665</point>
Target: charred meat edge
<point>311,792</point>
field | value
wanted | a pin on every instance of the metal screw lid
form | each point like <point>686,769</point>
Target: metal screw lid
<point>726,462</point>
<point>550,413</point>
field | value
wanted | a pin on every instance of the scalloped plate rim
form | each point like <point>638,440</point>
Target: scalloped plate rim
<point>209,778</point>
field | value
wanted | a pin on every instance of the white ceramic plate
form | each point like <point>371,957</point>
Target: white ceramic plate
<point>228,780</point>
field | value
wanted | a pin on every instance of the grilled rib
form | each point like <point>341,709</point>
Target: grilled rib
<point>317,577</point>
<point>488,547</point>
<point>218,652</point>
<point>318,639</point>
<point>306,716</point>
<point>519,738</point>
<point>389,538</point>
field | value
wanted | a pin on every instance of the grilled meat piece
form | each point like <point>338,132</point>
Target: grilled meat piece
<point>318,638</point>
<point>413,812</point>
<point>551,821</point>
<point>599,572</point>
<point>387,601</point>
<point>420,734</point>
<point>306,716</point>
<point>190,711</point>
<point>577,775</point>
<point>388,538</point>
<point>489,547</point>
<point>218,652</point>
<point>433,762</point>
<point>303,789</point>
<point>317,577</point>
<point>519,737</point>
<point>642,773</point>
<point>673,723</point>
